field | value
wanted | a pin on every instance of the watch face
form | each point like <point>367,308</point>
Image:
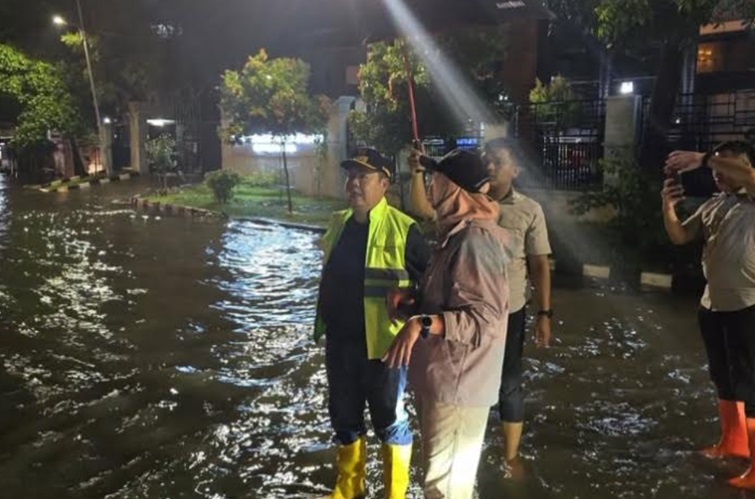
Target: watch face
<point>425,321</point>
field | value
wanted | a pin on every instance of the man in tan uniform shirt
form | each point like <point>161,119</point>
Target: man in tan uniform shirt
<point>726,224</point>
<point>523,218</point>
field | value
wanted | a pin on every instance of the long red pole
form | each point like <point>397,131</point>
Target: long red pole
<point>412,103</point>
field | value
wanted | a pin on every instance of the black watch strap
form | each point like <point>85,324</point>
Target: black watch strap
<point>706,158</point>
<point>425,321</point>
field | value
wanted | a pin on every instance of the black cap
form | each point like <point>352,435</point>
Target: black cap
<point>738,147</point>
<point>464,168</point>
<point>370,159</point>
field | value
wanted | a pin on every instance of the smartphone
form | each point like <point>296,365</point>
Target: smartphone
<point>677,176</point>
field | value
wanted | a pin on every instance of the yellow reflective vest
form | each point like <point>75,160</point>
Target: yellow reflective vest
<point>384,269</point>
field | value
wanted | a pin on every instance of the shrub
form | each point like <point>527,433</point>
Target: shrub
<point>636,233</point>
<point>261,179</point>
<point>160,153</point>
<point>555,102</point>
<point>222,184</point>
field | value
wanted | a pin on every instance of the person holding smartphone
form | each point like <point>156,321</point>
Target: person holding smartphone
<point>726,225</point>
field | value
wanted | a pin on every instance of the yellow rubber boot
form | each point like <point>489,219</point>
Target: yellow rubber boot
<point>734,439</point>
<point>396,459</point>
<point>351,464</point>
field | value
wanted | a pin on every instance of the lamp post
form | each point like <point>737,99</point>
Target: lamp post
<point>60,21</point>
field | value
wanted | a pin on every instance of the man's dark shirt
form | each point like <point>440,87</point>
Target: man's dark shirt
<point>342,285</point>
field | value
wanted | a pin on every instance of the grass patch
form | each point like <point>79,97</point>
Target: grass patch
<point>250,201</point>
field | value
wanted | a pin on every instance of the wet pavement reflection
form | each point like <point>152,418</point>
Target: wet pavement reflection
<point>145,356</point>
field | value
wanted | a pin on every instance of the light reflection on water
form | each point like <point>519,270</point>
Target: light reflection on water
<point>165,357</point>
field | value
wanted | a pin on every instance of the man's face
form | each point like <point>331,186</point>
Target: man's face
<point>364,188</point>
<point>723,182</point>
<point>501,169</point>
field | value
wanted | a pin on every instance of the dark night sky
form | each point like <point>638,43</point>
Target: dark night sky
<point>221,34</point>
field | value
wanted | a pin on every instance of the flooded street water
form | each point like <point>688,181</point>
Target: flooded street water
<point>157,357</point>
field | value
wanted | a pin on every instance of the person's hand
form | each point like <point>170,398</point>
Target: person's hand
<point>399,354</point>
<point>672,193</point>
<point>543,331</point>
<point>394,300</point>
<point>683,161</point>
<point>414,165</point>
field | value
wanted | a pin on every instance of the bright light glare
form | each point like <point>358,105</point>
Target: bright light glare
<point>106,120</point>
<point>627,87</point>
<point>269,144</point>
<point>453,86</point>
<point>160,122</point>
<point>58,21</point>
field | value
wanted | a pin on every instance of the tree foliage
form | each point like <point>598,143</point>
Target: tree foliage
<point>270,96</point>
<point>554,102</point>
<point>37,96</point>
<point>383,85</point>
<point>636,231</point>
<point>621,24</point>
<point>669,26</point>
<point>385,123</point>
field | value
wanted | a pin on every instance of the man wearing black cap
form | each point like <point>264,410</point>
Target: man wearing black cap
<point>369,249</point>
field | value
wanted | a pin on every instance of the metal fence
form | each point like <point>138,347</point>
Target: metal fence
<point>562,144</point>
<point>701,121</point>
<point>437,147</point>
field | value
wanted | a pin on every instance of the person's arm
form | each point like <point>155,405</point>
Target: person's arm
<point>476,302</point>
<point>401,301</point>
<point>417,253</point>
<point>418,203</point>
<point>738,169</point>
<point>679,233</point>
<point>537,248</point>
<point>540,270</point>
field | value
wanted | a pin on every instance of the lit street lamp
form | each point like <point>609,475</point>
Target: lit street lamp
<point>60,21</point>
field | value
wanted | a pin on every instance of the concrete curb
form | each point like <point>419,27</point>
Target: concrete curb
<point>64,185</point>
<point>653,280</point>
<point>596,271</point>
<point>649,281</point>
<point>172,209</point>
<point>289,225</point>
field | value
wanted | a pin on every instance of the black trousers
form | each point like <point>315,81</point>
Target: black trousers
<point>729,339</point>
<point>511,393</point>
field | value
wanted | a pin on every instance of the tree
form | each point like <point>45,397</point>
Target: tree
<point>269,96</point>
<point>161,154</point>
<point>554,102</point>
<point>669,25</point>
<point>383,84</point>
<point>35,94</point>
<point>386,123</point>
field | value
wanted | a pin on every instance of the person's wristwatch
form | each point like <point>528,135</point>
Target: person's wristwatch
<point>545,313</point>
<point>706,158</point>
<point>425,322</point>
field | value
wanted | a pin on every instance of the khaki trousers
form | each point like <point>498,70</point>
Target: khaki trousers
<point>452,439</point>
